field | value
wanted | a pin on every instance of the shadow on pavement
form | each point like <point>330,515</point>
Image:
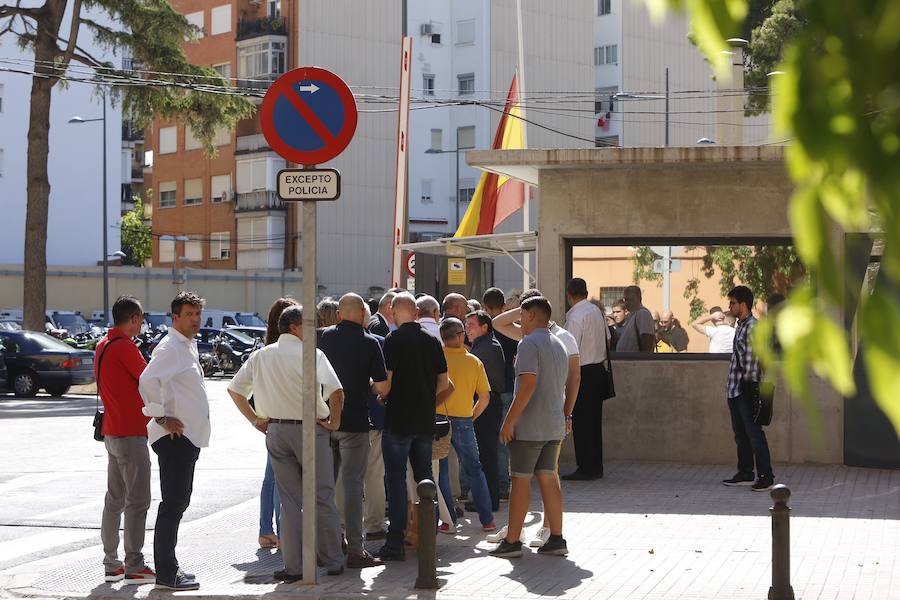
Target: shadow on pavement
<point>12,407</point>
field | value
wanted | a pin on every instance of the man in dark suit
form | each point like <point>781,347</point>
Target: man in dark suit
<point>382,322</point>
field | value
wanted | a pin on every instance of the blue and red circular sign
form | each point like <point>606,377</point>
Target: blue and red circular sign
<point>308,116</point>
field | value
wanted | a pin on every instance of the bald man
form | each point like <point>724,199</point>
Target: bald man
<point>671,332</point>
<point>456,305</point>
<point>357,358</point>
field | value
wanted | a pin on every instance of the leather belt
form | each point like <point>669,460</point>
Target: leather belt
<point>286,421</point>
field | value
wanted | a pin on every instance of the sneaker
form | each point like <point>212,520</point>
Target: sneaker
<point>504,496</point>
<point>763,484</point>
<point>362,561</point>
<point>113,576</point>
<point>145,575</point>
<point>286,577</point>
<point>180,584</point>
<point>739,479</point>
<point>500,535</point>
<point>447,528</point>
<point>507,549</point>
<point>555,546</point>
<point>540,537</point>
<point>489,527</point>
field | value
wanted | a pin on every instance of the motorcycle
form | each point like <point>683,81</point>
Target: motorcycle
<point>209,363</point>
<point>229,359</point>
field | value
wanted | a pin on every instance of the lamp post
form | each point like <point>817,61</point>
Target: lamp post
<point>456,152</point>
<point>173,239</point>
<point>77,119</point>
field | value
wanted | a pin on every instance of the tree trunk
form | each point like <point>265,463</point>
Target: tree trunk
<point>34,301</point>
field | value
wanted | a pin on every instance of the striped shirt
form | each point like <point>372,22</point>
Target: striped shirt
<point>744,364</point>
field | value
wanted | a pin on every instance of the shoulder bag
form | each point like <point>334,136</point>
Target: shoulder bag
<point>440,447</point>
<point>610,389</point>
<point>98,410</point>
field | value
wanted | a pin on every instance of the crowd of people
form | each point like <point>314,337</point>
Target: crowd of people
<point>475,395</point>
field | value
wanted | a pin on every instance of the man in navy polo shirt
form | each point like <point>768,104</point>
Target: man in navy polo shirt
<point>417,373</point>
<point>356,357</point>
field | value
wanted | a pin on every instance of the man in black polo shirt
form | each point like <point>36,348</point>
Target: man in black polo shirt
<point>417,373</point>
<point>494,302</point>
<point>356,357</point>
<point>480,329</point>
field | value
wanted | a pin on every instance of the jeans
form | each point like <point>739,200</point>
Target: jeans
<point>397,450</point>
<point>487,433</point>
<point>502,449</point>
<point>444,487</point>
<point>750,439</point>
<point>463,440</point>
<point>177,458</point>
<point>269,502</point>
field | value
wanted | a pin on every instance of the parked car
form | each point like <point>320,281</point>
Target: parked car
<point>10,325</point>
<point>255,332</point>
<point>231,347</point>
<point>35,360</point>
<point>217,319</point>
<point>72,322</point>
<point>157,320</point>
<point>2,367</point>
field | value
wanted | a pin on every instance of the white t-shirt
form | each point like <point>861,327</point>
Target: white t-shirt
<point>721,338</point>
<point>566,338</point>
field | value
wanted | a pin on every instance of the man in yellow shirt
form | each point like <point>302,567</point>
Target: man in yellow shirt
<point>469,382</point>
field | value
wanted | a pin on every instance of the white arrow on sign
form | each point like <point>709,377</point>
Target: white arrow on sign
<point>311,88</point>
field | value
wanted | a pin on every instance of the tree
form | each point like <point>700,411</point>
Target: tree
<point>153,33</point>
<point>136,236</point>
<point>839,101</point>
<point>780,23</point>
<point>764,269</point>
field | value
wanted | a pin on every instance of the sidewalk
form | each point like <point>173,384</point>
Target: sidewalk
<point>646,531</point>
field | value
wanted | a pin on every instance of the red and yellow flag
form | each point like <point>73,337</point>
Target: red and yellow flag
<point>497,197</point>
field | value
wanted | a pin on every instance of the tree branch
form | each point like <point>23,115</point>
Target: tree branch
<point>73,36</point>
<point>7,10</point>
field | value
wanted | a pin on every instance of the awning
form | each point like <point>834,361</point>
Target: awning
<point>478,246</point>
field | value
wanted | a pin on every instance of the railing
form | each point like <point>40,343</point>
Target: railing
<point>258,200</point>
<point>137,173</point>
<point>260,27</point>
<point>258,81</point>
<point>130,132</point>
<point>251,143</point>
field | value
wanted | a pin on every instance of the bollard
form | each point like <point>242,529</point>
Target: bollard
<point>427,551</point>
<point>781,544</point>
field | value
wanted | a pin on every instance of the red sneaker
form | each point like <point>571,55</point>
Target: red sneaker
<point>117,575</point>
<point>145,575</point>
<point>490,527</point>
<point>447,528</point>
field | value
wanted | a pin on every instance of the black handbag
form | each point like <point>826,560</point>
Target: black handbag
<point>98,410</point>
<point>610,389</point>
<point>761,396</point>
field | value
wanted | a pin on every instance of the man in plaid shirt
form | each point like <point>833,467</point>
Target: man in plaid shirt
<point>744,374</point>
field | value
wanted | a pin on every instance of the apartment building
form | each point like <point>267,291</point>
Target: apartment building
<point>462,50</point>
<point>631,58</point>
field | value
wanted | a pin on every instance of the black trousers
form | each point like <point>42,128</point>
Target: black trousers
<point>487,432</point>
<point>587,420</point>
<point>177,458</point>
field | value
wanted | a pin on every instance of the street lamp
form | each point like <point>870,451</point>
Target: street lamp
<point>456,152</point>
<point>174,238</point>
<point>77,119</point>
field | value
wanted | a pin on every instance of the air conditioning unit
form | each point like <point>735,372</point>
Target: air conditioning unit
<point>427,28</point>
<point>225,253</point>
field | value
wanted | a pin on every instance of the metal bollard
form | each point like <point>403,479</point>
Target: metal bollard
<point>427,551</point>
<point>781,544</point>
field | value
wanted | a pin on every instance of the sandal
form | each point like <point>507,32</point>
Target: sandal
<point>269,541</point>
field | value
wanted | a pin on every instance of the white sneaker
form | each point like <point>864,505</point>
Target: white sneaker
<point>500,535</point>
<point>540,537</point>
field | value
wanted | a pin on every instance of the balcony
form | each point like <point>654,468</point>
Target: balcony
<point>246,144</point>
<point>248,29</point>
<point>258,82</point>
<point>258,200</point>
<point>137,173</point>
<point>131,133</point>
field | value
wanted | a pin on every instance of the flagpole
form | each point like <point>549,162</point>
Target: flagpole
<point>526,208</point>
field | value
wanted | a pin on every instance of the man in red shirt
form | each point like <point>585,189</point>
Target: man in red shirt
<point>118,365</point>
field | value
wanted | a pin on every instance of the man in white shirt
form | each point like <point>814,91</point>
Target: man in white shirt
<point>429,315</point>
<point>175,397</point>
<point>720,334</point>
<point>587,324</point>
<point>274,375</point>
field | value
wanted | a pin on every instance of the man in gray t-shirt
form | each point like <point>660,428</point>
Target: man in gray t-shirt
<point>534,428</point>
<point>639,332</point>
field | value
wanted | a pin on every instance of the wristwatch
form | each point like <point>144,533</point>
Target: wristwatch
<point>568,417</point>
<point>161,421</point>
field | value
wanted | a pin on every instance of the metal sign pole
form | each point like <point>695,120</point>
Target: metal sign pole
<point>309,393</point>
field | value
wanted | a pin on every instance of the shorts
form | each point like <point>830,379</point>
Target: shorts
<point>528,458</point>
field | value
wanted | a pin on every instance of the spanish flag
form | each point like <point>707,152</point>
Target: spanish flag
<point>497,197</point>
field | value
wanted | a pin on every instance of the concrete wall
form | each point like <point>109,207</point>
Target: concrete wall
<point>70,288</point>
<point>689,422</point>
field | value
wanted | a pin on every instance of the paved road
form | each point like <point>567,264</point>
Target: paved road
<point>648,531</point>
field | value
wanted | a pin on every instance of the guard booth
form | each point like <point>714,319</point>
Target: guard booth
<point>465,265</point>
<point>670,407</point>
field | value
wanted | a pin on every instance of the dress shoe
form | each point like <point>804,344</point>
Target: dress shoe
<point>335,572</point>
<point>286,577</point>
<point>362,561</point>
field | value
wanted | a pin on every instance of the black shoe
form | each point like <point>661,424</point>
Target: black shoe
<point>180,584</point>
<point>739,479</point>
<point>763,484</point>
<point>286,577</point>
<point>578,476</point>
<point>470,506</point>
<point>555,546</point>
<point>335,572</point>
<point>507,550</point>
<point>375,535</point>
<point>387,553</point>
<point>504,496</point>
<point>460,513</point>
